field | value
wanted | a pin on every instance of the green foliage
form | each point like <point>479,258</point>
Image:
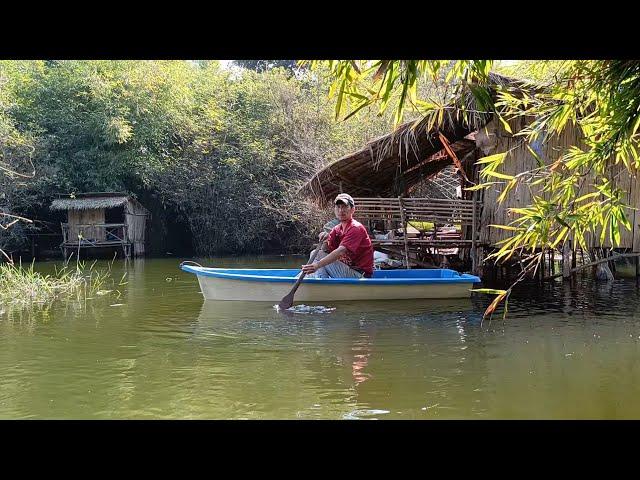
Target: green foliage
<point>16,150</point>
<point>399,85</point>
<point>265,65</point>
<point>223,153</point>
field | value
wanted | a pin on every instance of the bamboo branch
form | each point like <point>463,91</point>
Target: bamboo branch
<point>16,216</point>
<point>596,262</point>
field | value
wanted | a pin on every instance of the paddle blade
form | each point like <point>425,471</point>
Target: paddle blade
<point>287,301</point>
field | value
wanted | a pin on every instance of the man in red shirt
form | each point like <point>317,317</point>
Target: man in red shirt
<point>348,252</point>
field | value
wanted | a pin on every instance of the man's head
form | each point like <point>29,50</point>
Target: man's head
<point>344,207</point>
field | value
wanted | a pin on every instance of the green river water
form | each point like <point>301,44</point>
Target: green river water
<point>158,351</point>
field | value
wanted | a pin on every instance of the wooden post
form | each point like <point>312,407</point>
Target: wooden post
<point>404,226</point>
<point>566,259</point>
<point>473,233</point>
<point>602,270</point>
<point>478,257</point>
<point>494,270</point>
<point>612,264</point>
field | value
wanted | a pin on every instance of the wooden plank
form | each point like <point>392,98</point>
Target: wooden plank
<point>442,207</point>
<point>460,201</point>
<point>444,240</point>
<point>451,206</point>
<point>431,213</point>
<point>445,211</point>
<point>106,243</point>
<point>440,219</point>
<point>405,227</point>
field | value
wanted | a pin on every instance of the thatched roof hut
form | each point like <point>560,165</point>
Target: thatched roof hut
<point>392,164</point>
<point>88,201</point>
<point>103,219</point>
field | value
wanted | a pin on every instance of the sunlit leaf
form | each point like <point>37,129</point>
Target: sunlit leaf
<point>504,176</point>
<point>497,158</point>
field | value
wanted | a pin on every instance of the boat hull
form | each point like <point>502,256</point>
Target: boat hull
<point>217,284</point>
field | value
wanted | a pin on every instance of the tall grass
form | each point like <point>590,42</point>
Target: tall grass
<point>23,286</point>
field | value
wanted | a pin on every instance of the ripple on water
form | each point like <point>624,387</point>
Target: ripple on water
<point>365,413</point>
<point>305,309</point>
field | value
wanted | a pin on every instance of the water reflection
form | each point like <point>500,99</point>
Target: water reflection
<point>339,352</point>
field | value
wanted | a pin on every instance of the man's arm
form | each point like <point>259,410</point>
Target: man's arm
<point>332,257</point>
<point>321,238</point>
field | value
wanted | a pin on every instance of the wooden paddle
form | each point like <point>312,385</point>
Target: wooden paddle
<point>287,301</point>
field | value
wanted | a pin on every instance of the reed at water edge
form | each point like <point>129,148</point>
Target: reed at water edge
<point>23,286</point>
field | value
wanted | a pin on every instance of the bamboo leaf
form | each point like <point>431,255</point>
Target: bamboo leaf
<point>588,195</point>
<point>560,236</point>
<point>481,186</point>
<point>497,158</point>
<point>340,98</point>
<point>492,307</point>
<point>505,227</point>
<point>498,175</point>
<point>506,190</point>
<point>491,291</point>
<point>535,155</point>
<point>382,70</point>
<point>521,211</point>
<point>356,110</point>
<point>505,124</point>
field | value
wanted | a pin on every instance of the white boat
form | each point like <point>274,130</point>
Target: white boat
<point>271,285</point>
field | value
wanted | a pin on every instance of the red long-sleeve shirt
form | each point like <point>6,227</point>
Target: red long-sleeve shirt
<point>354,237</point>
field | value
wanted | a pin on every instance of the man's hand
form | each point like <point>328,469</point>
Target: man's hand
<point>310,268</point>
<point>323,235</point>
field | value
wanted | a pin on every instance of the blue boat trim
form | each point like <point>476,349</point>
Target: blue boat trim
<point>380,277</point>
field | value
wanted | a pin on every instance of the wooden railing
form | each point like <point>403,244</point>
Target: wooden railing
<point>95,234</point>
<point>448,220</point>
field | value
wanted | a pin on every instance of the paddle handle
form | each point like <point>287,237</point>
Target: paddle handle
<point>302,275</point>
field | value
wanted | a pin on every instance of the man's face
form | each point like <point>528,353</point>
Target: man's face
<point>344,212</point>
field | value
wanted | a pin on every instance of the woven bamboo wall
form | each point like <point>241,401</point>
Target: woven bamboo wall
<point>494,139</point>
<point>93,216</point>
<point>136,219</point>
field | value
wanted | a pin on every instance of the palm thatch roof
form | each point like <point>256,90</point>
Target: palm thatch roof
<point>390,165</point>
<point>87,201</point>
